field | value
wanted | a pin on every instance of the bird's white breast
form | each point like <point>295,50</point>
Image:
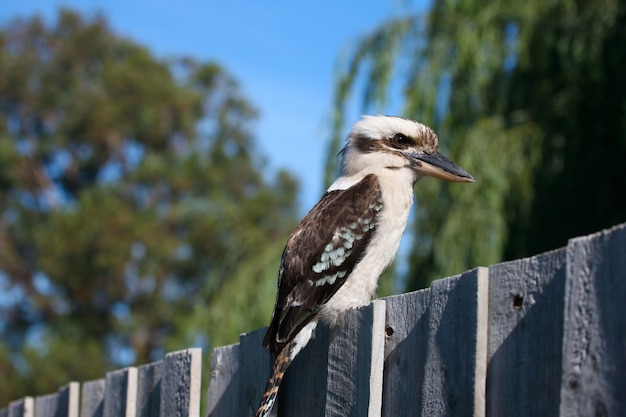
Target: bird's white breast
<point>360,286</point>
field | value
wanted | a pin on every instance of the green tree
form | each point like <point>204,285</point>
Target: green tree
<point>529,97</point>
<point>132,196</point>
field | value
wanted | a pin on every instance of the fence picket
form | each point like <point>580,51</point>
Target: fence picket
<point>92,398</point>
<point>120,393</point>
<point>24,407</point>
<point>63,403</point>
<point>455,368</point>
<point>223,393</point>
<point>405,353</point>
<point>525,334</point>
<point>149,389</point>
<point>255,365</point>
<point>180,384</point>
<point>594,334</point>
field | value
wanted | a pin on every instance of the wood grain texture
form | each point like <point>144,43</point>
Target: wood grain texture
<point>180,384</point>
<point>92,398</point>
<point>223,391</point>
<point>149,389</point>
<point>120,393</point>
<point>406,340</point>
<point>594,332</point>
<point>456,357</point>
<point>525,334</point>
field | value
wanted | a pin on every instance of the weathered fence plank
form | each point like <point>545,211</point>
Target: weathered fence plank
<point>149,389</point>
<point>594,334</point>
<point>525,334</point>
<point>255,365</point>
<point>305,383</point>
<point>24,407</point>
<point>69,400</point>
<point>355,362</point>
<point>92,398</point>
<point>223,392</point>
<point>340,372</point>
<point>180,384</point>
<point>405,353</point>
<point>120,393</point>
<point>46,405</point>
<point>456,361</point>
<point>63,403</point>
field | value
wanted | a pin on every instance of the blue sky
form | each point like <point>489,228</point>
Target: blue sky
<point>283,54</point>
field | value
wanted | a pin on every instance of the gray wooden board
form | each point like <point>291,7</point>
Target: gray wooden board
<point>255,365</point>
<point>180,383</point>
<point>46,405</point>
<point>303,391</point>
<point>340,372</point>
<point>69,400</point>
<point>24,407</point>
<point>525,335</point>
<point>406,339</point>
<point>456,357</point>
<point>92,398</point>
<point>355,362</point>
<point>594,333</point>
<point>223,391</point>
<point>149,389</point>
<point>120,393</point>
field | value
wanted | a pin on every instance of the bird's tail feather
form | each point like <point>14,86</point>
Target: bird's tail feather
<point>273,384</point>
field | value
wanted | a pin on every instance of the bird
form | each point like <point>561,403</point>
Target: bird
<point>333,259</point>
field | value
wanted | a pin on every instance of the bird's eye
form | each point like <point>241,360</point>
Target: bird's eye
<point>400,141</point>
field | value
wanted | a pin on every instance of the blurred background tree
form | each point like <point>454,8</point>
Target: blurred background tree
<point>131,198</point>
<point>529,97</point>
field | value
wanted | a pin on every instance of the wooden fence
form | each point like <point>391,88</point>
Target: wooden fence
<point>541,336</point>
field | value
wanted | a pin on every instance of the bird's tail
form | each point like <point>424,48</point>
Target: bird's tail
<point>273,384</point>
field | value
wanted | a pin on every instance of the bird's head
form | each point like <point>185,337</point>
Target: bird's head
<point>391,142</point>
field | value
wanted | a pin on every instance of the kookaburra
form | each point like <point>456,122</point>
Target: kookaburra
<point>333,259</point>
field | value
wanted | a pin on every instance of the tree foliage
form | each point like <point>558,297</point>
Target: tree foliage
<point>131,198</point>
<point>529,97</point>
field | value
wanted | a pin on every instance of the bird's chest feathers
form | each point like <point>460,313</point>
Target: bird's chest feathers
<point>361,285</point>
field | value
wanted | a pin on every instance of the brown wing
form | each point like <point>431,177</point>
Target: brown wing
<point>320,255</point>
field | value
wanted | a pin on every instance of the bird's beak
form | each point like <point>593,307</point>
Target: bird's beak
<point>438,166</point>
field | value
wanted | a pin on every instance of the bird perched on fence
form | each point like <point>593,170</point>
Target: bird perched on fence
<point>334,257</point>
